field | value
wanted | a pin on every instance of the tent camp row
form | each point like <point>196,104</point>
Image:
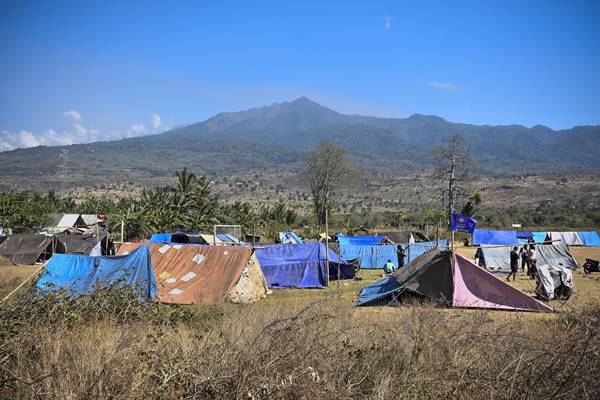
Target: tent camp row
<point>511,237</point>
<point>181,273</point>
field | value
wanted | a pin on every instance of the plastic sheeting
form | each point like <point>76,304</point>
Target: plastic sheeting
<point>160,238</point>
<point>570,238</point>
<point>83,274</point>
<point>552,277</point>
<point>498,258</point>
<point>482,237</point>
<point>359,240</point>
<point>539,237</point>
<point>370,256</point>
<point>300,265</point>
<point>590,238</point>
<point>289,238</point>
<point>413,251</point>
<point>477,288</point>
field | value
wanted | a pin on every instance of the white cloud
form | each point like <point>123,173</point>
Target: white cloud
<point>155,119</point>
<point>450,87</point>
<point>79,129</point>
<point>74,115</point>
<point>137,129</point>
<point>387,23</point>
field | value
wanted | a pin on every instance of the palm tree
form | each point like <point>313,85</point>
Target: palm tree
<point>186,181</point>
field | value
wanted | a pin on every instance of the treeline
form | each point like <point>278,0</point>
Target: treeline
<point>189,205</point>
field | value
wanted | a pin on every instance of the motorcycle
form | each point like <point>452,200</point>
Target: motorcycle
<point>591,266</point>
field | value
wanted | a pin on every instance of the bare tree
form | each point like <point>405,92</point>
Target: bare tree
<point>327,170</point>
<point>454,171</point>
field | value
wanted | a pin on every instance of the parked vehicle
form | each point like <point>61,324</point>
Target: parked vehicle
<point>591,266</point>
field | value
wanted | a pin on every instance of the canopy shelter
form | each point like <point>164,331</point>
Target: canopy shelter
<point>590,238</point>
<point>190,274</point>
<point>367,251</point>
<point>301,265</point>
<point>491,237</point>
<point>80,275</point>
<point>26,248</point>
<point>405,236</point>
<point>557,253</point>
<point>449,279</point>
<point>86,244</point>
<point>570,238</point>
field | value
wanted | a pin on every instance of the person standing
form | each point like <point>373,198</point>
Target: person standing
<point>524,253</point>
<point>532,262</point>
<point>514,264</point>
<point>400,252</point>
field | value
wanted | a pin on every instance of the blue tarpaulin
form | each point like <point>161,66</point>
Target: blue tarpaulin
<point>83,274</point>
<point>289,238</point>
<point>589,238</point>
<point>524,235</point>
<point>160,238</point>
<point>359,240</point>
<point>539,237</point>
<point>482,236</point>
<point>412,251</point>
<point>379,290</point>
<point>300,265</point>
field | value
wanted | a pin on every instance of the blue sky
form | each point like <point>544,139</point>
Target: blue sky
<point>75,71</point>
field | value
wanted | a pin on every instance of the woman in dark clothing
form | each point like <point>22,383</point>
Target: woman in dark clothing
<point>524,252</point>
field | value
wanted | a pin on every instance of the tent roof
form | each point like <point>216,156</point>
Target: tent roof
<point>552,254</point>
<point>359,240</point>
<point>188,274</point>
<point>570,238</point>
<point>84,274</point>
<point>24,248</point>
<point>463,284</point>
<point>483,236</point>
<point>78,244</point>
<point>300,265</point>
<point>590,238</point>
<point>405,236</point>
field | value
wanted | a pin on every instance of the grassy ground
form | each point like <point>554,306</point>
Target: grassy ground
<point>300,344</point>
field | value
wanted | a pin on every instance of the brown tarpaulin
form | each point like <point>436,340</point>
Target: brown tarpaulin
<point>201,274</point>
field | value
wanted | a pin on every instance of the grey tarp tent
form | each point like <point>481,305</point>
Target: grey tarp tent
<point>498,258</point>
<point>26,248</point>
<point>403,237</point>
<point>570,238</point>
<point>82,244</point>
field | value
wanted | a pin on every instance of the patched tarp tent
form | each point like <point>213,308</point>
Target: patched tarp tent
<point>190,274</point>
<point>570,238</point>
<point>83,274</point>
<point>498,258</point>
<point>590,238</point>
<point>482,237</point>
<point>367,251</point>
<point>458,284</point>
<point>301,265</point>
<point>26,249</point>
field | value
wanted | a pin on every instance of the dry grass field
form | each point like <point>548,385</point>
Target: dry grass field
<point>301,344</point>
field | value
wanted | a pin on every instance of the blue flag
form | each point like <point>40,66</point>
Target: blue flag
<point>462,223</point>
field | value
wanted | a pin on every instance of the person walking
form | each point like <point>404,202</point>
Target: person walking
<point>400,252</point>
<point>514,264</point>
<point>532,262</point>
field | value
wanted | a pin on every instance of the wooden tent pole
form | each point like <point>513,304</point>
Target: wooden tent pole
<point>327,246</point>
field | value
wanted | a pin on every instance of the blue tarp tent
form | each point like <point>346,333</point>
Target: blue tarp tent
<point>482,236</point>
<point>539,237</point>
<point>412,251</point>
<point>589,238</point>
<point>359,240</point>
<point>300,265</point>
<point>289,238</point>
<point>160,238</point>
<point>367,251</point>
<point>83,274</point>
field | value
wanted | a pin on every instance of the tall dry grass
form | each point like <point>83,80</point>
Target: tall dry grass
<point>110,346</point>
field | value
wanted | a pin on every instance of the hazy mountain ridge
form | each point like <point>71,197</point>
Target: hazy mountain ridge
<point>280,134</point>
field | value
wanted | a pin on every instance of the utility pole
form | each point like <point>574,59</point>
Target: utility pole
<point>327,245</point>
<point>451,192</point>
